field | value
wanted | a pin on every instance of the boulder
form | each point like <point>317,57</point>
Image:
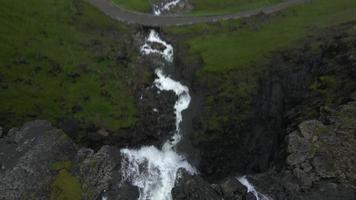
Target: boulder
<point>190,187</point>
<point>28,156</point>
<point>232,188</point>
<point>100,171</point>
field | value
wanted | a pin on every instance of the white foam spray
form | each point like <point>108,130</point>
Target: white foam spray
<point>165,7</point>
<point>152,38</point>
<point>251,189</point>
<point>151,169</point>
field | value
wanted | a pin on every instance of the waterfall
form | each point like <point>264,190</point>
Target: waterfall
<point>251,189</point>
<point>151,169</point>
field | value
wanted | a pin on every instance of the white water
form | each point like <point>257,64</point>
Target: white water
<point>153,37</point>
<point>151,169</point>
<point>251,189</point>
<point>154,170</point>
<point>165,7</point>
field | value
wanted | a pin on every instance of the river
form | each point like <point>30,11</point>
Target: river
<point>154,170</point>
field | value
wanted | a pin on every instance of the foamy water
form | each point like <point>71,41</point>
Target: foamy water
<point>147,48</point>
<point>158,9</point>
<point>251,189</point>
<point>154,170</point>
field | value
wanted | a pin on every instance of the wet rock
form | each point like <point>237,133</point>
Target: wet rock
<point>353,96</point>
<point>103,133</point>
<point>189,187</point>
<point>232,188</point>
<point>100,171</point>
<point>125,192</point>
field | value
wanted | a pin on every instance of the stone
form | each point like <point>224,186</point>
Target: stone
<point>103,133</point>
<point>125,192</point>
<point>190,187</point>
<point>309,128</point>
<point>230,187</point>
<point>353,96</point>
<point>100,171</point>
<point>324,165</point>
<point>28,162</point>
<point>1,131</point>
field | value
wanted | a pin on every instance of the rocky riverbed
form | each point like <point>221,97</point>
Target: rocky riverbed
<point>320,165</point>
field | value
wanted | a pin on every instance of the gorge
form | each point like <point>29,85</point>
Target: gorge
<point>254,108</point>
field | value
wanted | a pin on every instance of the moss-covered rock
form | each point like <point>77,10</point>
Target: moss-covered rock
<point>65,187</point>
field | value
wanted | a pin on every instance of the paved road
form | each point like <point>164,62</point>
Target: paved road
<point>144,19</point>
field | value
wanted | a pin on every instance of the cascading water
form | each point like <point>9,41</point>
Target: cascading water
<point>154,170</point>
<point>151,169</point>
<point>251,189</point>
<point>158,9</point>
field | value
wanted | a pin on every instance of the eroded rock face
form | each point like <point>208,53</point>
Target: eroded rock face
<point>193,188</point>
<point>33,156</point>
<point>26,157</point>
<point>321,160</point>
<point>318,151</point>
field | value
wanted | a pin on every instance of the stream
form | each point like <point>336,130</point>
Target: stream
<point>154,170</point>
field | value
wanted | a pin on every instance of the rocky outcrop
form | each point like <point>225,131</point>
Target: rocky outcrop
<point>38,161</point>
<point>26,156</point>
<point>193,188</point>
<point>247,113</point>
<point>321,159</point>
<point>324,151</point>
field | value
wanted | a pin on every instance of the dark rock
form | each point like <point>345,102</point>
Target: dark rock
<point>1,131</point>
<point>125,192</point>
<point>189,187</point>
<point>103,133</point>
<point>232,188</point>
<point>100,171</point>
<point>27,163</point>
<point>70,126</point>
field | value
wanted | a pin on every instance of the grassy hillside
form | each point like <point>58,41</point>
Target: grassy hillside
<point>138,5</point>
<point>252,71</point>
<point>64,60</point>
<point>205,7</point>
<point>234,44</point>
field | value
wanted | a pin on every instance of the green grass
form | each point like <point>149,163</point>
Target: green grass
<point>138,5</point>
<point>65,187</point>
<point>65,164</point>
<point>233,45</point>
<point>58,60</point>
<point>206,7</point>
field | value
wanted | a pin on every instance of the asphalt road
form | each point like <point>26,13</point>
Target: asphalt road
<point>133,17</point>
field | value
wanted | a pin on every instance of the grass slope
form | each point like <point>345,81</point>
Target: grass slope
<point>232,44</point>
<point>138,5</point>
<point>206,7</point>
<point>56,63</point>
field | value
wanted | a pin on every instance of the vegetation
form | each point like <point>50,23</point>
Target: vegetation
<point>206,7</point>
<point>64,59</point>
<point>236,44</point>
<point>138,5</point>
<point>65,164</point>
<point>65,187</point>
<point>260,74</point>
